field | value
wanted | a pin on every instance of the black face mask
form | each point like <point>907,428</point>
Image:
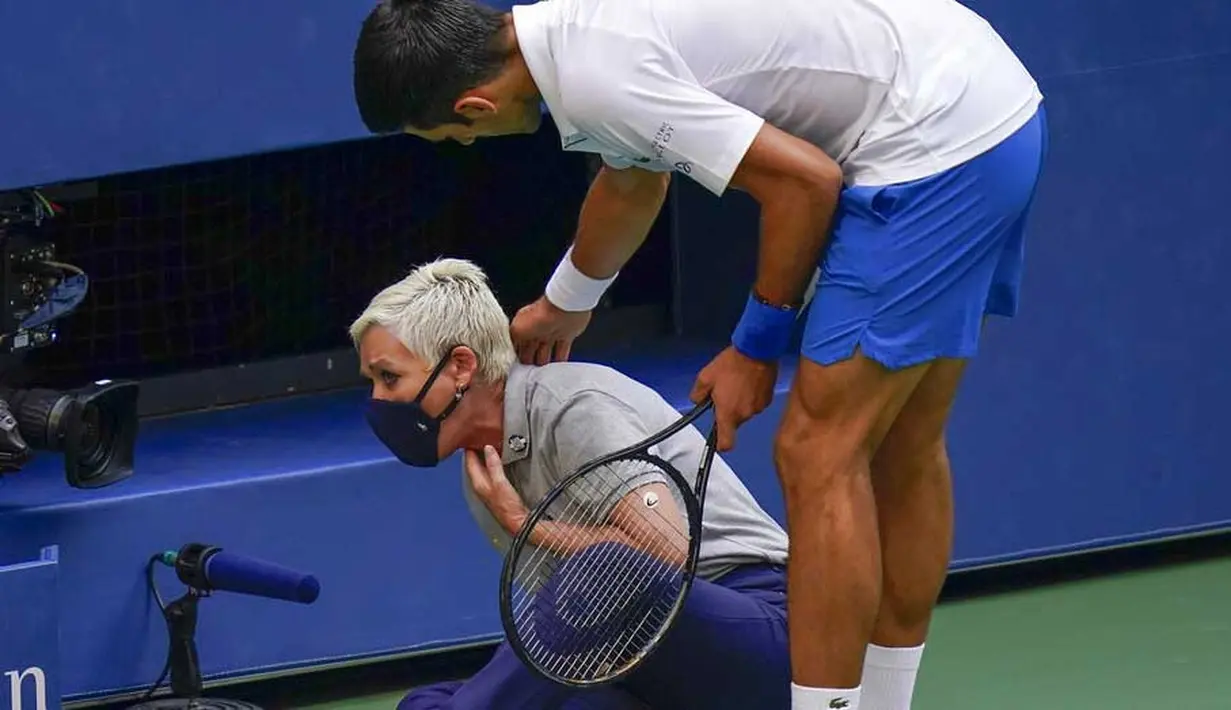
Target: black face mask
<point>408,431</point>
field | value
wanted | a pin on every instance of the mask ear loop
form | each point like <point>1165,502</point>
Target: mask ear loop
<point>457,399</point>
<point>431,379</point>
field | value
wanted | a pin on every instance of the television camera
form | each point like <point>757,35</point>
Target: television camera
<point>94,426</point>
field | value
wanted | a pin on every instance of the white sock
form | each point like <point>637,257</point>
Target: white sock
<point>803,698</point>
<point>889,677</point>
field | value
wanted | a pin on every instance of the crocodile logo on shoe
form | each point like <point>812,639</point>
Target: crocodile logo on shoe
<point>838,703</point>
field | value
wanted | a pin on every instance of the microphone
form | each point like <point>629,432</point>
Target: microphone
<point>209,568</point>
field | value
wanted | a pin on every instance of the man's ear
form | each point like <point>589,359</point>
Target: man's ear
<point>474,107</point>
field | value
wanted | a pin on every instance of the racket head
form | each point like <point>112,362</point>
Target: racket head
<point>589,611</point>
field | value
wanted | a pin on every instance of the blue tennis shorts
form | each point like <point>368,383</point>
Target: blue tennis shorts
<point>911,269</point>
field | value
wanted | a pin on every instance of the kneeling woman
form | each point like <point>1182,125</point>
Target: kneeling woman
<point>436,347</point>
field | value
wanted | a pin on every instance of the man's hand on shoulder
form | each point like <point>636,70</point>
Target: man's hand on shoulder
<point>543,333</point>
<point>615,219</point>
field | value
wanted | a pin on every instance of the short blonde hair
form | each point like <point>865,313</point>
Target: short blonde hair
<point>440,305</point>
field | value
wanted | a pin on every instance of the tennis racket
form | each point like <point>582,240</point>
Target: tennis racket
<point>599,572</point>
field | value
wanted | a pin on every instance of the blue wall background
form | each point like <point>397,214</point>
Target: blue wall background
<point>1091,419</point>
<point>94,87</point>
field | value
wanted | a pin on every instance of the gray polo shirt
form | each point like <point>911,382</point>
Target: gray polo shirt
<point>560,416</point>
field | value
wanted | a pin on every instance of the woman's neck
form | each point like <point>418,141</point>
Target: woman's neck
<point>486,423</point>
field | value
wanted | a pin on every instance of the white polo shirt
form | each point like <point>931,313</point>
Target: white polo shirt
<point>893,90</point>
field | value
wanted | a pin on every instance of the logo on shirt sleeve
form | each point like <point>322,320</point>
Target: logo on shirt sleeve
<point>662,139</point>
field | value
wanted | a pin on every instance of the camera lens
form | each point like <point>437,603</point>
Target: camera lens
<point>94,427</point>
<point>93,450</point>
<point>40,414</point>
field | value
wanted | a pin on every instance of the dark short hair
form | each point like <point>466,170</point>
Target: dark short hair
<point>415,58</point>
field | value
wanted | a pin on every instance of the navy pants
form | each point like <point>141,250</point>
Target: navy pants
<point>728,649</point>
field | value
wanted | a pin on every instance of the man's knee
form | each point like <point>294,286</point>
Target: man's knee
<point>811,457</point>
<point>835,419</point>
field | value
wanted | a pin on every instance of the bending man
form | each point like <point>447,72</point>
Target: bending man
<point>894,143</point>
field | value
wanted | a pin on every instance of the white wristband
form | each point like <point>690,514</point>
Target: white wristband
<point>571,290</point>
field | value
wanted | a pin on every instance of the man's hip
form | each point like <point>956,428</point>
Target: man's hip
<point>911,269</point>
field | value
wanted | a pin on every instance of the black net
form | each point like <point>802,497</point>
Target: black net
<point>273,255</point>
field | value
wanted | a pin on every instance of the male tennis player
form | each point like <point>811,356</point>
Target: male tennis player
<point>437,349</point>
<point>900,140</point>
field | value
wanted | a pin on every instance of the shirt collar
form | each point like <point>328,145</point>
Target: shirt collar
<point>517,440</point>
<point>534,25</point>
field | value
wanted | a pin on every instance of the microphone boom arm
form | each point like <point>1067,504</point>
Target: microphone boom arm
<point>182,660</point>
<point>230,572</point>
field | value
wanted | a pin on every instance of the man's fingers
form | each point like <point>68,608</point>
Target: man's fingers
<point>541,352</point>
<point>727,418</point>
<point>726,431</point>
<point>526,351</point>
<point>700,389</point>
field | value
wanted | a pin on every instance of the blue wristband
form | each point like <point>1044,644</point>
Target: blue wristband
<point>764,331</point>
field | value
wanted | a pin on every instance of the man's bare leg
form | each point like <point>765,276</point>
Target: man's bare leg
<point>914,501</point>
<point>835,419</point>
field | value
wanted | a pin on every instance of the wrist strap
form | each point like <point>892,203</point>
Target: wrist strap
<point>764,331</point>
<point>570,290</point>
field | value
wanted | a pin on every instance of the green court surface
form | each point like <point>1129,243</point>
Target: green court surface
<point>1138,640</point>
<point>1148,639</point>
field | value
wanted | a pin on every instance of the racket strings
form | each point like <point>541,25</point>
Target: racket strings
<point>607,650</point>
<point>627,644</point>
<point>544,560</point>
<point>582,514</point>
<point>584,621</point>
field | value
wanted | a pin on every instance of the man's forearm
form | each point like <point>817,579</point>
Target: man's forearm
<point>616,217</point>
<point>794,230</point>
<point>795,221</point>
